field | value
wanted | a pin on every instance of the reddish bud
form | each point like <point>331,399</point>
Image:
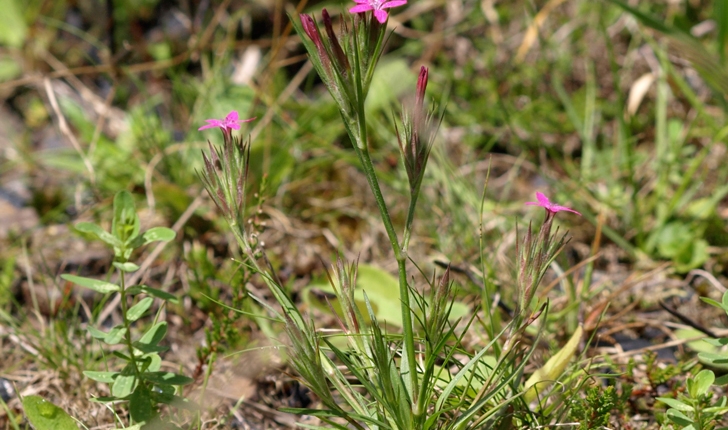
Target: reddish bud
<point>421,87</point>
<point>341,59</point>
<point>309,26</point>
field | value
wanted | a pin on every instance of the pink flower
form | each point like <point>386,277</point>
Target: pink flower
<point>544,202</point>
<point>377,6</point>
<point>231,122</point>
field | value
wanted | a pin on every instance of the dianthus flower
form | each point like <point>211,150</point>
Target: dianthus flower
<point>377,6</point>
<point>231,122</point>
<point>552,208</point>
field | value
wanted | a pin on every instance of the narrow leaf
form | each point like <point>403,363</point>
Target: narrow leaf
<point>679,418</point>
<point>555,366</point>
<point>167,378</point>
<point>115,335</point>
<point>155,334</point>
<point>149,342</point>
<point>96,333</point>
<point>136,311</point>
<point>675,404</point>
<point>93,284</point>
<point>160,294</point>
<point>105,377</point>
<point>97,232</point>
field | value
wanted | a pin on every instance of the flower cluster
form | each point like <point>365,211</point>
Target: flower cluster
<point>345,61</point>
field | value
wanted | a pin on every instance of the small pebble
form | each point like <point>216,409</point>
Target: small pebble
<point>6,390</point>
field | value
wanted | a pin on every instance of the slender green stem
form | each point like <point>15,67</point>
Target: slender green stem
<point>414,195</point>
<point>127,327</point>
<point>374,185</point>
<point>362,151</point>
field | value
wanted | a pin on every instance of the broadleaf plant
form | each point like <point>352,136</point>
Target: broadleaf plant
<point>140,383</point>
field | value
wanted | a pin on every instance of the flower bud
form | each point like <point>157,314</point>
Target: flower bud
<point>309,26</point>
<point>339,55</point>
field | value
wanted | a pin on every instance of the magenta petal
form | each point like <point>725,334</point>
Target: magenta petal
<point>362,1</point>
<point>394,3</point>
<point>232,116</point>
<point>557,208</point>
<point>361,8</point>
<point>210,124</point>
<point>542,199</point>
<point>380,15</point>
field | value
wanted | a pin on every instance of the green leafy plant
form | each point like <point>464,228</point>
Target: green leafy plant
<point>140,383</point>
<point>594,410</point>
<point>695,409</point>
<point>719,357</point>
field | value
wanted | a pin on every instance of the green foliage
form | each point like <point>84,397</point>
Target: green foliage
<point>594,410</point>
<point>13,29</point>
<point>658,374</point>
<point>7,274</point>
<point>695,409</point>
<point>44,415</point>
<point>140,382</point>
<point>719,356</point>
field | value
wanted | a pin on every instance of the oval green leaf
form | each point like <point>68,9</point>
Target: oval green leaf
<point>115,335</point>
<point>126,267</point>
<point>702,382</point>
<point>123,386</point>
<point>140,404</point>
<point>44,415</point>
<point>158,234</point>
<point>136,311</point>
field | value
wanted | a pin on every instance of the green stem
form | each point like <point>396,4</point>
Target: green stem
<point>127,327</point>
<point>414,195</point>
<point>401,256</point>
<point>362,150</point>
<point>374,185</point>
